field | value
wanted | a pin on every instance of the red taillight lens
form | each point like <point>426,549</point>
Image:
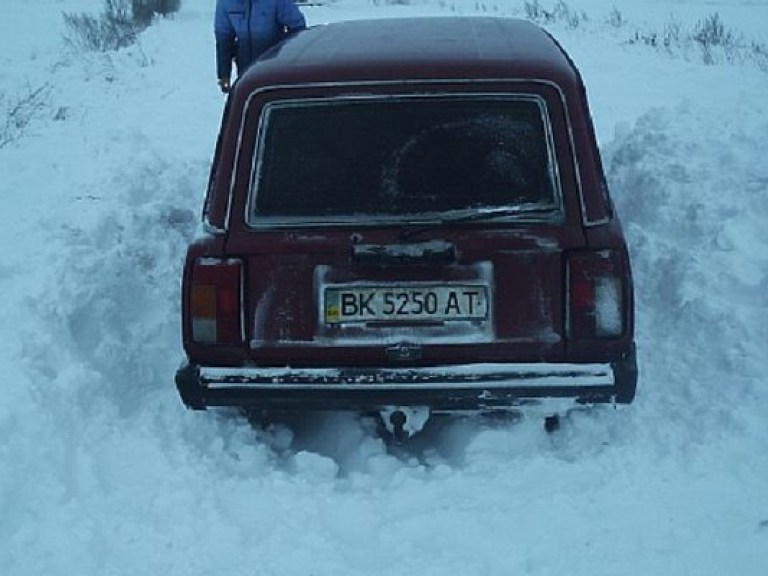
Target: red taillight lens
<point>597,295</point>
<point>215,301</point>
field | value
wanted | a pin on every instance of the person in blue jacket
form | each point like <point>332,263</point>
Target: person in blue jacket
<point>246,28</point>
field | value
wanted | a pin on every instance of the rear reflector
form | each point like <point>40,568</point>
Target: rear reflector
<point>214,305</point>
<point>203,312</point>
<point>596,295</point>
<point>608,307</point>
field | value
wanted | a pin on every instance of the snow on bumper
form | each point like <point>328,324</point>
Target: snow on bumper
<point>465,387</point>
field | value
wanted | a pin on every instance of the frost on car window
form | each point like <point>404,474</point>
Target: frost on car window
<point>396,157</point>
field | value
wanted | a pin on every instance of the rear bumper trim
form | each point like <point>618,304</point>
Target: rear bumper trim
<point>471,376</point>
<point>468,387</point>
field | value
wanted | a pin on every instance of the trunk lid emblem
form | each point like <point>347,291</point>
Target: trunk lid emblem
<point>404,352</point>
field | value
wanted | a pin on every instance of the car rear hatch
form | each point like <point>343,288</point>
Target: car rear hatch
<point>484,296</point>
<point>410,230</point>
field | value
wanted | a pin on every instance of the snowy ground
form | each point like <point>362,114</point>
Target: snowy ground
<point>103,472</point>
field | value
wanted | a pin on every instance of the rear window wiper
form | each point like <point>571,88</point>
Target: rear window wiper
<point>472,215</point>
<point>481,214</point>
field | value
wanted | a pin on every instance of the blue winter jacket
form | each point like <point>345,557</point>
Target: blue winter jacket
<point>246,28</point>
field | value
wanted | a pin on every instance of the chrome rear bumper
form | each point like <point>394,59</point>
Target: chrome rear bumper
<point>449,387</point>
<point>474,376</point>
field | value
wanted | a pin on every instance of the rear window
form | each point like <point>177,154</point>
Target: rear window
<point>403,159</point>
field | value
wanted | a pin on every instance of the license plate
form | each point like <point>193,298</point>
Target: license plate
<point>415,303</point>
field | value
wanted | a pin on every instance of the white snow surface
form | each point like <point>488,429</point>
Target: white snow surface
<point>103,472</point>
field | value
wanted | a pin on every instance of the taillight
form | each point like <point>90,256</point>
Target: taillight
<point>597,295</point>
<point>215,301</point>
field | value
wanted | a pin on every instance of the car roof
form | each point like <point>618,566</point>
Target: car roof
<point>418,48</point>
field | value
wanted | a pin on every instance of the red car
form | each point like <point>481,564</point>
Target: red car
<point>408,216</point>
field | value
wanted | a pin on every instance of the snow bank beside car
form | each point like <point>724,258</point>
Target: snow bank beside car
<point>692,186</point>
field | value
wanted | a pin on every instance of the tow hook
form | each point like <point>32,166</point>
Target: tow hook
<point>552,423</point>
<point>404,421</point>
